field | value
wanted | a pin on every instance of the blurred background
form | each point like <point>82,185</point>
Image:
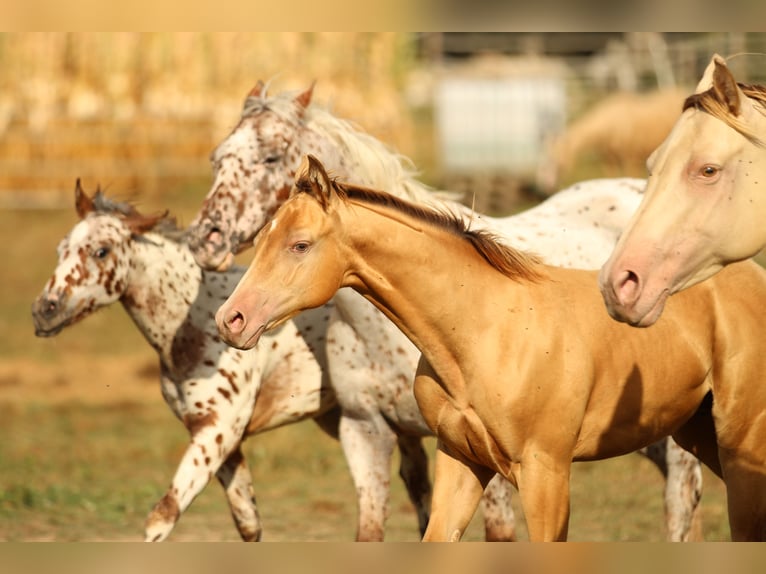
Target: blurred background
<point>507,118</point>
<point>495,112</point>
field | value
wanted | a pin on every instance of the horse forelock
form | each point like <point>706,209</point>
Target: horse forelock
<point>104,204</point>
<point>165,225</point>
<point>710,102</point>
<point>283,105</point>
<point>511,262</point>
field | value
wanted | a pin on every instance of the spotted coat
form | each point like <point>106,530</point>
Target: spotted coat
<point>212,388</point>
<point>577,227</point>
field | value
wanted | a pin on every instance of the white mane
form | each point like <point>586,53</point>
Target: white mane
<point>392,172</point>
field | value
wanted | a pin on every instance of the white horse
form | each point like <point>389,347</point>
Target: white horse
<point>221,395</point>
<point>254,170</point>
<point>704,205</point>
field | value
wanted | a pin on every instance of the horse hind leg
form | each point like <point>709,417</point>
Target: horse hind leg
<point>499,518</point>
<point>234,475</point>
<point>413,470</point>
<point>745,481</point>
<point>683,489</point>
<point>368,445</point>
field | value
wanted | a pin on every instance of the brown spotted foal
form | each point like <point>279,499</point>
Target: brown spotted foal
<point>220,394</point>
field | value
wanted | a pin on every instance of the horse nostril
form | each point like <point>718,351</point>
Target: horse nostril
<point>49,306</point>
<point>235,322</point>
<point>214,235</point>
<point>628,287</point>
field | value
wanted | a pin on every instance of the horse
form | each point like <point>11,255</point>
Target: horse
<point>254,169</point>
<point>704,205</point>
<point>220,394</point>
<point>620,131</point>
<point>522,371</point>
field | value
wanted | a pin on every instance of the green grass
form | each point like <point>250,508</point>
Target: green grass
<point>91,472</point>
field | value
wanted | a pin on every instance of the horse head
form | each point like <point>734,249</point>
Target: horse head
<point>93,262</point>
<point>305,266</point>
<point>704,203</point>
<point>254,168</point>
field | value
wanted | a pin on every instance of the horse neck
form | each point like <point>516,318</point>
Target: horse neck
<point>163,284</point>
<point>427,280</point>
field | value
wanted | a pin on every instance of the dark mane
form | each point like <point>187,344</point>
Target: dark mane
<point>511,262</point>
<point>710,102</point>
<point>162,223</point>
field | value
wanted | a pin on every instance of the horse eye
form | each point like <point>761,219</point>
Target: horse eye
<point>300,247</point>
<point>272,159</point>
<point>709,171</point>
<point>101,252</point>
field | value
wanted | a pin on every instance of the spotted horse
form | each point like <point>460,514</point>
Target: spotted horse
<point>220,394</point>
<point>254,169</point>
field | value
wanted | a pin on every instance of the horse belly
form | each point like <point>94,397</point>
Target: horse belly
<point>293,386</point>
<point>641,406</point>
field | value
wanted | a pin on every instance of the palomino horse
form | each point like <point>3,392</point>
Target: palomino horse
<point>705,203</point>
<point>254,169</point>
<point>221,395</point>
<point>522,370</point>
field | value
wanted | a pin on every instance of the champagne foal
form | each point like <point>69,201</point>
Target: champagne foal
<point>522,371</point>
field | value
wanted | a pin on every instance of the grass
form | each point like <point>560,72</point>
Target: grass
<point>76,472</point>
<point>89,446</point>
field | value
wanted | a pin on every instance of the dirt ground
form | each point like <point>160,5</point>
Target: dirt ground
<point>129,378</point>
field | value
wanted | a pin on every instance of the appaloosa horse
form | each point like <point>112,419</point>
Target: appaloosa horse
<point>254,169</point>
<point>705,202</point>
<point>220,394</point>
<point>522,369</point>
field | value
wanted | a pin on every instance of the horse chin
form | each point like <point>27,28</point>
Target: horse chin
<point>651,316</point>
<point>48,330</point>
<point>246,342</point>
<point>226,262</point>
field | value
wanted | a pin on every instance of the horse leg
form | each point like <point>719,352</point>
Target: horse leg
<point>544,490</point>
<point>234,475</point>
<point>499,519</point>
<point>414,472</point>
<point>458,487</point>
<point>207,450</point>
<point>746,496</point>
<point>368,445</point>
<point>698,436</point>
<point>683,489</point>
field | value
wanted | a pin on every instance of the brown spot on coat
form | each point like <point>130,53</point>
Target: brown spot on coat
<point>196,422</point>
<point>167,508</point>
<point>188,347</point>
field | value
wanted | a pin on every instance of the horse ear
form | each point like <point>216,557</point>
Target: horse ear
<point>82,203</point>
<point>304,98</point>
<point>140,224</point>
<point>725,87</point>
<point>706,82</point>
<point>312,178</point>
<point>257,90</point>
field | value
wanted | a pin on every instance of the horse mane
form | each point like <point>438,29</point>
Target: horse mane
<point>710,102</point>
<point>390,170</point>
<point>163,223</point>
<point>510,262</point>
